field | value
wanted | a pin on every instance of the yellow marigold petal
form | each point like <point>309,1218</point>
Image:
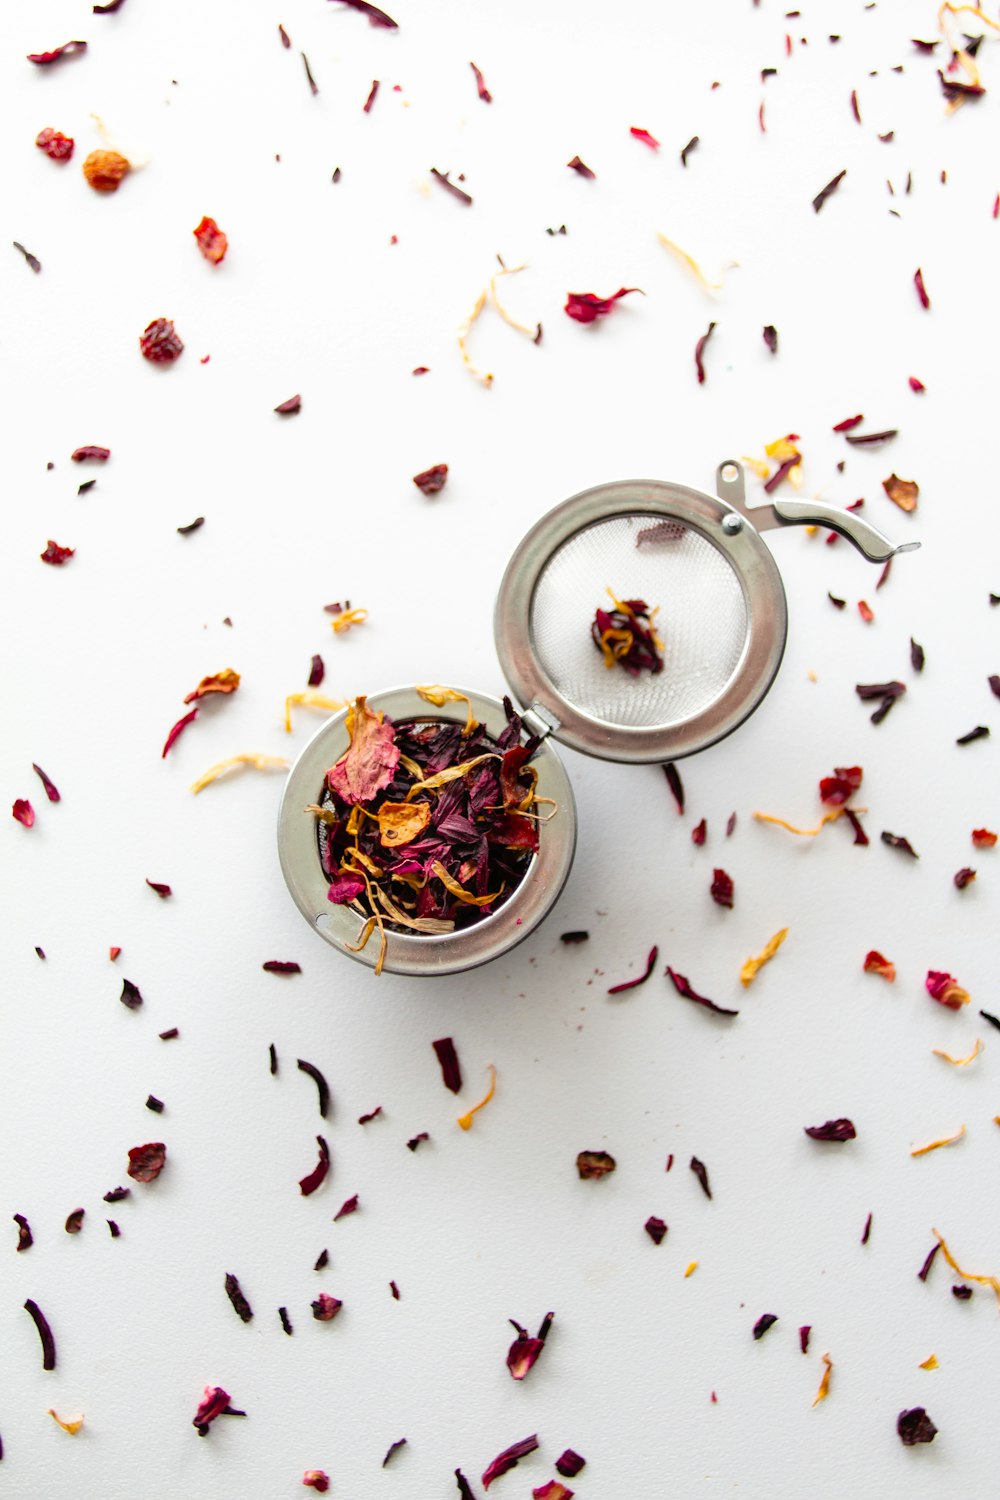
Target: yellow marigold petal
<point>347,618</point>
<point>781,449</point>
<point>930,1363</point>
<point>248,758</point>
<point>750,969</point>
<point>439,696</point>
<point>459,891</point>
<point>693,1266</point>
<point>68,1424</point>
<point>690,262</point>
<point>451,774</point>
<point>463,334</point>
<point>824,1385</point>
<point>946,1140</point>
<point>960,1062</point>
<point>532,333</point>
<point>309,699</point>
<point>756,465</point>
<point>808,833</point>
<point>992,1281</point>
<point>466,1120</point>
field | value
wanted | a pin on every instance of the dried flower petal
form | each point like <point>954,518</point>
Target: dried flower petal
<point>584,307</point>
<point>160,342</point>
<point>569,1464</point>
<point>317,1176</point>
<point>825,192</point>
<point>902,492</point>
<point>824,1385</point>
<point>804,1333</point>
<point>145,1163</point>
<point>699,350</point>
<point>961,1293</point>
<point>487,98</point>
<point>415,1140</point>
<point>925,1268</point>
<point>444,178</point>
<point>897,841</point>
<point>750,969</point>
<point>57,147</point>
<point>963,877</point>
<point>68,49</point>
<point>281,966</point>
<point>763,1323</point>
<point>915,1426</point>
<point>163,891</point>
<point>525,1350</point>
<point>675,784</point>
<point>594,1164</point>
<point>833,1130</point>
<point>322,1087</point>
<point>371,759</point>
<point>466,1120</point>
<point>74,1221</point>
<point>947,1140</point>
<point>848,423</point>
<point>984,838</point>
<point>771,337</point>
<point>990,1281</point>
<point>246,758</point>
<point>699,833</point>
<point>45,1334</point>
<point>945,990</point>
<point>23,812</point>
<point>683,988</point>
<point>372,1114</point>
<point>644,136</point>
<point>581,167</point>
<point>918,282</point>
<point>451,1070</point>
<point>310,699</point>
<point>875,963</point>
<point>177,730</point>
<point>56,555</point>
<point>701,1172</point>
<point>25,1238</point>
<point>866,439</point>
<point>656,1229</point>
<point>212,243</point>
<point>214,1403</point>
<point>721,889</point>
<point>290,407</point>
<point>92,452</point>
<point>226,681</point>
<point>68,1424</point>
<point>315,1479</point>
<point>981,732</point>
<point>867,1231</point>
<point>508,1459</point>
<point>631,984</point>
<point>234,1292</point>
<point>326,1308</point>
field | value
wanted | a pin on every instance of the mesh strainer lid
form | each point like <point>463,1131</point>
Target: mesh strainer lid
<point>722,619</point>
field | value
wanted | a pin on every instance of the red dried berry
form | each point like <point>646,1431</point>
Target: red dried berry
<point>160,343</point>
<point>57,147</point>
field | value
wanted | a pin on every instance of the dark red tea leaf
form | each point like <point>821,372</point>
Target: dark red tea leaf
<point>683,988</point>
<point>214,1403</point>
<point>699,350</point>
<point>415,1140</point>
<point>508,1458</point>
<point>163,891</point>
<point>631,984</point>
<point>113,1229</point>
<point>451,1070</point>
<point>834,1130</point>
<point>917,386</point>
<point>865,439</point>
<point>117,1194</point>
<point>848,423</point>
<point>692,145</point>
<point>569,1464</point>
<point>367,106</point>
<point>130,995</point>
<point>25,1238</point>
<point>675,784</point>
<point>90,452</point>
<point>316,1177</point>
<point>594,1164</point>
<point>860,837</point>
<point>701,1172</point>
<point>763,1323</point>
<point>154,1104</point>
<point>464,1488</point>
<point>961,1293</point>
<point>234,1292</point>
<point>371,1115</point>
<point>286,40</point>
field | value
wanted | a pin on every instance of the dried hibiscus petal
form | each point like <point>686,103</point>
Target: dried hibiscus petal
<point>945,990</point>
<point>508,1458</point>
<point>68,49</point>
<point>699,833</point>
<point>23,812</point>
<point>984,838</point>
<point>915,1426</point>
<point>145,1163</point>
<point>315,1178</point>
<point>160,342</point>
<point>595,1164</point>
<point>235,1294</point>
<point>839,787</point>
<point>876,963</point>
<point>763,1323</point>
<point>317,671</point>
<point>104,170</point>
<point>804,1333</point>
<point>524,1351</point>
<point>25,1238</point>
<point>918,282</point>
<point>322,1087</point>
<point>699,366</point>
<point>569,1463</point>
<point>212,242</point>
<point>482,91</point>
<point>656,1229</point>
<point>584,307</point>
<point>130,996</point>
<point>226,681</point>
<point>833,1130</point>
<point>721,889</point>
<point>57,146</point>
<point>961,1293</point>
<point>163,891</point>
<point>897,841</point>
<point>45,1334</point>
<point>325,1308</point>
<point>701,1172</point>
<point>290,407</point>
<point>963,877</point>
<point>177,730</point>
<point>281,966</point>
<point>825,192</point>
<point>451,1070</point>
<point>349,1206</point>
<point>631,984</point>
<point>214,1403</point>
<point>315,1479</point>
<point>683,987</point>
<point>902,492</point>
<point>581,167</point>
<point>981,732</point>
<point>626,636</point>
<point>644,136</point>
<point>55,554</point>
<point>675,784</point>
<point>553,1489</point>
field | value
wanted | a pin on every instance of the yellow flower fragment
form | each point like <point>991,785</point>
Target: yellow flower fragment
<point>947,1140</point>
<point>532,333</point>
<point>309,699</point>
<point>439,696</point>
<point>693,1266</point>
<point>466,1120</point>
<point>930,1363</point>
<point>781,449</point>
<point>69,1424</point>
<point>463,334</point>
<point>690,262</point>
<point>992,1281</point>
<point>824,1385</point>
<point>451,774</point>
<point>248,758</point>
<point>756,466</point>
<point>750,969</point>
<point>960,1062</point>
<point>459,891</point>
<point>346,619</point>
<point>807,833</point>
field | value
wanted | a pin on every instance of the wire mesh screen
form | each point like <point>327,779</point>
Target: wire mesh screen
<point>702,619</point>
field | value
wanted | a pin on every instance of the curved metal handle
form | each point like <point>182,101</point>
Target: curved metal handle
<point>869,541</point>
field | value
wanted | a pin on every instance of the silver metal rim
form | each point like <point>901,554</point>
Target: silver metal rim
<point>756,570</point>
<point>451,952</point>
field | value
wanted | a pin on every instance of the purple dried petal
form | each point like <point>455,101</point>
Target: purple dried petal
<point>25,1238</point>
<point>281,966</point>
<point>964,877</point>
<point>925,1268</point>
<point>896,841</point>
<point>117,1194</point>
<point>831,187</point>
<point>961,1293</point>
<point>569,1464</point>
<point>655,1228</point>
<point>145,1163</point>
<point>509,1458</point>
<point>163,891</point>
<point>804,1333</point>
<point>524,1351</point>
<point>683,987</point>
<point>68,49</point>
<point>915,1426</point>
<point>23,812</point>
<point>866,1232</point>
<point>699,833</point>
<point>415,1140</point>
<point>981,732</point>
<point>349,1206</point>
<point>113,1229</point>
<point>44,1333</point>
<point>52,791</point>
<point>763,1323</point>
<point>156,1105</point>
<point>631,984</point>
<point>375,16</point>
<point>451,1071</point>
<point>322,1259</point>
<point>917,657</point>
<point>393,1448</point>
<point>721,889</point>
<point>699,350</point>
<point>130,995</point>
<point>675,784</point>
<point>371,1115</point>
<point>701,1172</point>
<point>771,337</point>
<point>322,1087</point>
<point>285,1321</point>
<point>317,672</point>
<point>464,1489</point>
<point>326,1308</point>
<point>234,1292</point>
<point>487,98</point>
<point>834,1130</point>
<point>316,1177</point>
<point>294,403</point>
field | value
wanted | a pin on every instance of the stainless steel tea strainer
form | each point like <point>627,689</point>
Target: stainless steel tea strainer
<point>723,618</point>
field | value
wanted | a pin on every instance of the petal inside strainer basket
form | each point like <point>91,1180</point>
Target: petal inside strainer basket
<point>702,619</point>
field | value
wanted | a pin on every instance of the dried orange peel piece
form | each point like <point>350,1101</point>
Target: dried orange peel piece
<point>752,967</point>
<point>466,1120</point>
<point>990,1281</point>
<point>247,758</point>
<point>310,699</point>
<point>400,823</point>
<point>946,1140</point>
<point>824,1385</point>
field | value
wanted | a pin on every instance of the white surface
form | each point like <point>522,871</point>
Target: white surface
<point>479,1227</point>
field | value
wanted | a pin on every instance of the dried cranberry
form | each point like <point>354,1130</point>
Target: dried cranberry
<point>55,145</point>
<point>160,343</point>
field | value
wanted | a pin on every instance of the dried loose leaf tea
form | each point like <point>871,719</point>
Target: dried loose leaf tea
<point>581,167</point>
<point>833,1130</point>
<point>569,1464</point>
<point>584,307</point>
<point>525,1350</point>
<point>721,889</point>
<point>626,636</point>
<point>508,1458</point>
<point>281,966</point>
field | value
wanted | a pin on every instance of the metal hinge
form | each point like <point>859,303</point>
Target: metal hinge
<point>539,720</point>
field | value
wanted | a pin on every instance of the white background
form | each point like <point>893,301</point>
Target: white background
<point>476,1228</point>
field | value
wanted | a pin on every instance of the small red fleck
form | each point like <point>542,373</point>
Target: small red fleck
<point>113,953</point>
<point>205,359</point>
<point>699,833</point>
<point>670,1162</point>
<point>918,282</point>
<point>371,96</point>
<point>160,343</point>
<point>916,385</point>
<point>55,554</point>
<point>644,135</point>
<point>431,481</point>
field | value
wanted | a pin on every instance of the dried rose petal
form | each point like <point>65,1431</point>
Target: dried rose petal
<point>315,1178</point>
<point>234,1292</point>
<point>848,423</point>
<point>371,1115</point>
<point>902,492</point>
<point>290,407</point>
<point>322,1087</point>
<point>825,192</point>
<point>315,1479</point>
<point>876,963</point>
<point>212,241</point>
<point>983,838</point>
<point>451,1070</point>
<point>918,282</point>
<point>344,889</point>
<point>326,1308</point>
<point>51,790</point>
<point>963,877</point>
<point>24,812</point>
<point>57,146</point>
<point>833,1130</point>
<point>644,135</point>
<point>838,788</point>
<point>581,167</point>
<point>55,554</point>
<point>163,891</point>
<point>701,1172</point>
<point>631,984</point>
<point>656,1229</point>
<point>177,730</point>
<point>981,732</point>
<point>699,350</point>
<point>865,611</point>
<point>371,759</point>
<point>945,990</point>
<point>683,987</point>
<point>226,681</point>
<point>569,1463</point>
<point>915,1426</point>
<point>595,1164</point>
<point>145,1163</point>
<point>68,49</point>
<point>771,337</point>
<point>916,385</point>
<point>721,889</point>
<point>763,1323</point>
<point>524,1351</point>
<point>431,481</point>
<point>699,833</point>
<point>508,1459</point>
<point>104,171</point>
<point>349,1206</point>
<point>584,307</point>
<point>160,343</point>
<point>25,1238</point>
<point>214,1403</point>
